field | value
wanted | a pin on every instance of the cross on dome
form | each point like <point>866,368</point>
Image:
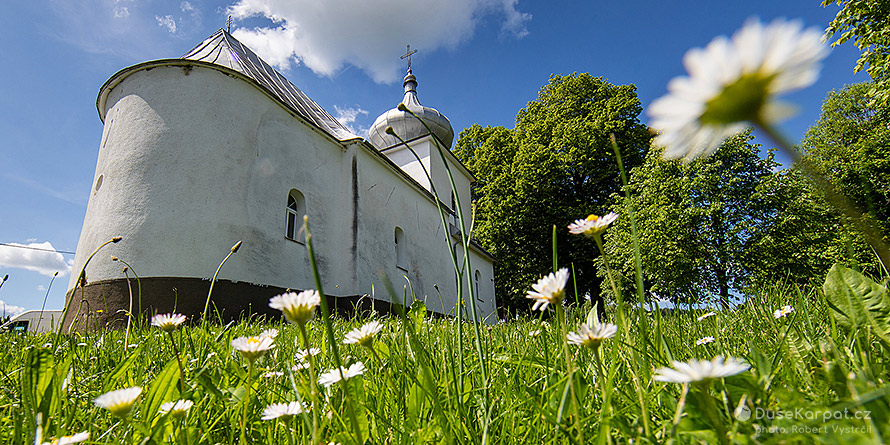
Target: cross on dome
<point>408,56</point>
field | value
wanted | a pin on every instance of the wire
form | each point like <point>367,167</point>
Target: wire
<point>36,248</point>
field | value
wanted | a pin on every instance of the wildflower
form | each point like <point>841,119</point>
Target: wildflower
<point>733,81</point>
<point>549,289</point>
<point>178,409</point>
<point>592,226</point>
<point>64,440</point>
<point>701,370</point>
<point>704,340</point>
<point>333,376</point>
<point>119,402</point>
<point>708,315</point>
<point>784,312</point>
<point>591,337</point>
<point>297,307</point>
<point>534,333</point>
<point>300,366</point>
<point>252,348</point>
<point>168,322</point>
<point>363,335</point>
<point>303,353</point>
<point>272,374</point>
<point>271,333</point>
<point>282,411</point>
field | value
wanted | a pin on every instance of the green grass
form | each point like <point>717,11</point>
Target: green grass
<point>803,368</point>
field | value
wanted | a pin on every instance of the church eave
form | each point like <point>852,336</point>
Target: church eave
<point>118,77</point>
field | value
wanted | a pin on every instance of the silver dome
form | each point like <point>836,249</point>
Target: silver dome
<point>407,126</point>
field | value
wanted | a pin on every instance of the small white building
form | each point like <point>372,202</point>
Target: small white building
<point>200,152</point>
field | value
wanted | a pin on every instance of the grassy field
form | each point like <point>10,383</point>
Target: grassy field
<point>816,374</point>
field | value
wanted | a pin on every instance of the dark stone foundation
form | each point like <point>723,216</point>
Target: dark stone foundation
<point>104,303</point>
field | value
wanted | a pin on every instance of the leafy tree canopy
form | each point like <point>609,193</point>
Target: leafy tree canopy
<point>555,166</point>
<point>867,24</point>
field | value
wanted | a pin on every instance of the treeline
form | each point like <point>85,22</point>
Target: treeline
<point>716,228</point>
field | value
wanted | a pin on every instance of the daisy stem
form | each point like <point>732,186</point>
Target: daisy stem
<point>621,324</point>
<point>246,401</point>
<point>312,383</point>
<point>837,199</point>
<point>570,369</point>
<point>178,360</point>
<point>374,353</point>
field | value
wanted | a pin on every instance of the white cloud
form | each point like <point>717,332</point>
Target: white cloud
<point>45,261</point>
<point>347,117</point>
<point>168,22</point>
<point>10,310</point>
<point>41,288</point>
<point>187,7</point>
<point>370,35</point>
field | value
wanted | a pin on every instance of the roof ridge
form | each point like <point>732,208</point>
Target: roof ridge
<point>223,49</point>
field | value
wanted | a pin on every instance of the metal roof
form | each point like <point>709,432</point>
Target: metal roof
<point>223,49</point>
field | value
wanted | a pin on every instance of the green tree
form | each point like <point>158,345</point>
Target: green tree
<point>867,23</point>
<point>850,144</point>
<point>555,166</point>
<point>696,222</point>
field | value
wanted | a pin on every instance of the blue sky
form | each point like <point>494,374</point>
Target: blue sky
<point>479,61</point>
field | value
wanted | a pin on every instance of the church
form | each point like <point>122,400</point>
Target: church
<point>200,152</point>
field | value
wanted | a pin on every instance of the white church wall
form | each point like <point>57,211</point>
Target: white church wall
<point>187,171</point>
<point>182,183</point>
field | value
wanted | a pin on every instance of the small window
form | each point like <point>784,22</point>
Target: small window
<point>294,212</point>
<point>478,277</point>
<point>400,249</point>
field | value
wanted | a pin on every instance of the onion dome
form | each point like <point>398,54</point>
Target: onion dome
<point>406,125</point>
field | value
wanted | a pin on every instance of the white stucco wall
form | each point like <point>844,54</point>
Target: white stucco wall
<point>193,160</point>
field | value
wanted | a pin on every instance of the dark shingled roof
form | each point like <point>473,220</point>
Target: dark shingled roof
<point>223,49</point>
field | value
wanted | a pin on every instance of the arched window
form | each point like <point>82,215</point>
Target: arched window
<point>294,212</point>
<point>400,249</point>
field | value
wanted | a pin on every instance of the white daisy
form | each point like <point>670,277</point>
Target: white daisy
<point>65,440</point>
<point>534,333</point>
<point>282,411</point>
<point>784,312</point>
<point>177,409</point>
<point>271,333</point>
<point>303,353</point>
<point>701,370</point>
<point>297,307</point>
<point>549,290</point>
<point>591,337</point>
<point>708,315</point>
<point>252,348</point>
<point>593,225</point>
<point>168,322</point>
<point>333,376</point>
<point>119,402</point>
<point>300,366</point>
<point>704,340</point>
<point>272,374</point>
<point>733,81</point>
<point>363,335</point>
